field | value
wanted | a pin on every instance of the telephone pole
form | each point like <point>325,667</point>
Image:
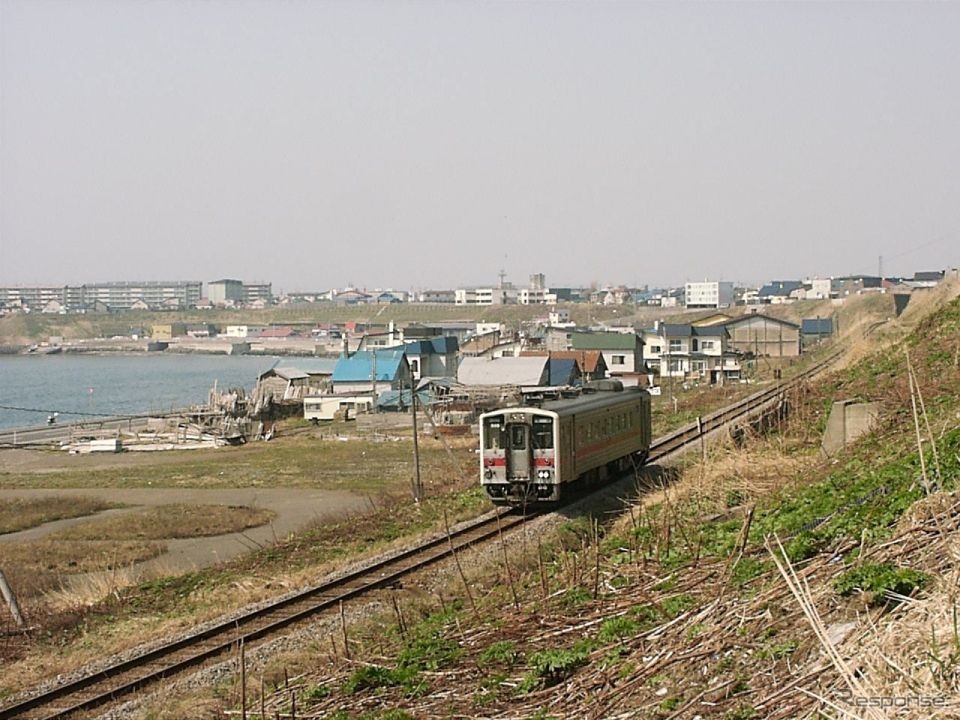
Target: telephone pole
<point>417,483</point>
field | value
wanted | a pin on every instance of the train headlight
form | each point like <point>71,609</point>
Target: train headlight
<point>488,474</point>
<point>543,474</point>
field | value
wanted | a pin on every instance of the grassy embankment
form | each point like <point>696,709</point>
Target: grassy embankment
<point>36,327</point>
<point>677,608</point>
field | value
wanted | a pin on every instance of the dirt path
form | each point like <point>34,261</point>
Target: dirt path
<point>294,508</point>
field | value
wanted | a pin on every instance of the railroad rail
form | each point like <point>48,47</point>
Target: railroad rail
<point>111,684</point>
<point>746,407</point>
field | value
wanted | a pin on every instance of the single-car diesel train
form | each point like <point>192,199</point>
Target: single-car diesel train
<point>534,455</point>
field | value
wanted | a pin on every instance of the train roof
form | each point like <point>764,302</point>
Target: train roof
<point>582,403</point>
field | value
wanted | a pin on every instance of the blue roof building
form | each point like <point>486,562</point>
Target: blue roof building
<point>355,373</point>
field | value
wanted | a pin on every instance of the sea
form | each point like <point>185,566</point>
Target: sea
<point>82,387</point>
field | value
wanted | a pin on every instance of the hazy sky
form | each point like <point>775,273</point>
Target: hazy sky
<point>430,144</point>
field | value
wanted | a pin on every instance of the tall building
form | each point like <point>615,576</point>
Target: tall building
<point>225,292</point>
<point>708,294</point>
<point>111,296</point>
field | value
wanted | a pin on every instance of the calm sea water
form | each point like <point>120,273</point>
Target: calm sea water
<point>115,384</point>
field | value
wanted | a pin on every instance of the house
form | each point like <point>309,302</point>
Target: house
<point>622,352</point>
<point>688,351</point>
<point>815,329</point>
<point>519,371</point>
<point>168,331</point>
<point>436,357</point>
<point>386,298</point>
<point>201,330</point>
<point>371,371</point>
<point>779,291</point>
<point>351,296</point>
<point>856,284</point>
<point>763,336</point>
<point>590,363</point>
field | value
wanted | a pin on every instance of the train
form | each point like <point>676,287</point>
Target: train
<point>537,454</point>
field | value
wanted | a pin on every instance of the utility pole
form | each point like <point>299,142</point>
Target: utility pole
<point>417,483</point>
<point>373,379</point>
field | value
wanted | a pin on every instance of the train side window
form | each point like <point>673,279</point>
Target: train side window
<point>518,437</point>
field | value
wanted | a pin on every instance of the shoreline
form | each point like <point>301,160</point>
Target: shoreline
<point>130,348</point>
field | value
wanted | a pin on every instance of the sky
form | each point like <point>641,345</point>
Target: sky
<point>433,144</point>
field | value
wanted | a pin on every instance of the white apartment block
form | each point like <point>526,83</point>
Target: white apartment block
<point>484,296</point>
<point>709,294</point>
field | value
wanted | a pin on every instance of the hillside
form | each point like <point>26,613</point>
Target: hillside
<point>766,581</point>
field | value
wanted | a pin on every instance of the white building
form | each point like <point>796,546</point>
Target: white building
<point>244,331</point>
<point>708,294</point>
<point>819,289</point>
<point>484,296</point>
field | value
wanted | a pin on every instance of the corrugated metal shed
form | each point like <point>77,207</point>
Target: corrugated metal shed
<point>503,371</point>
<point>359,366</point>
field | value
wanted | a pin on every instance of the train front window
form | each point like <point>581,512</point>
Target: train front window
<point>542,433</point>
<point>518,437</point>
<point>493,434</point>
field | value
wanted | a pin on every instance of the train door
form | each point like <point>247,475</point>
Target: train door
<point>519,452</point>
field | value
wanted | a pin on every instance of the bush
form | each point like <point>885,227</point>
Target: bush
<point>880,579</point>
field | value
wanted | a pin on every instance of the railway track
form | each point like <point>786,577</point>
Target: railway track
<point>113,683</point>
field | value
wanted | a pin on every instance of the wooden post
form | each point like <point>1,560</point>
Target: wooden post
<point>11,600</point>
<point>243,680</point>
<point>343,628</point>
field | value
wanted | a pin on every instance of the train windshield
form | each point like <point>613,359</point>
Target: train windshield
<point>542,433</point>
<point>518,437</point>
<point>493,434</point>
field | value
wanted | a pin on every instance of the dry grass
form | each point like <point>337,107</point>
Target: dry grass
<point>22,513</point>
<point>731,475</point>
<point>166,522</point>
<point>56,556</point>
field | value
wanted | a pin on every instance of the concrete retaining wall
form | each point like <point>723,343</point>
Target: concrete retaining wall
<point>848,421</point>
